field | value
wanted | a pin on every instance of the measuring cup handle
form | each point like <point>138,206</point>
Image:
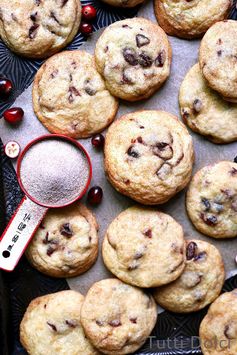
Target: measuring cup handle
<point>19,232</point>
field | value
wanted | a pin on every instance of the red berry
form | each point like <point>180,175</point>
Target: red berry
<point>6,88</point>
<point>88,12</point>
<point>86,28</point>
<point>12,149</point>
<point>95,195</point>
<point>13,115</point>
<point>98,141</point>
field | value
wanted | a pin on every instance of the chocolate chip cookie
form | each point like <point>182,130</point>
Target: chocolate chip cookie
<point>190,18</point>
<point>38,28</point>
<point>134,57</point>
<point>117,318</point>
<point>218,58</point>
<point>52,325</point>
<point>140,240</point>
<point>204,111</point>
<point>200,283</point>
<point>212,200</point>
<point>66,243</point>
<point>218,330</point>
<point>148,156</point>
<point>70,97</point>
<point>123,3</point>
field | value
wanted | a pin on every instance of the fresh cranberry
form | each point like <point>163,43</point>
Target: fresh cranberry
<point>95,195</point>
<point>13,115</point>
<point>88,13</point>
<point>98,141</point>
<point>6,88</point>
<point>86,28</point>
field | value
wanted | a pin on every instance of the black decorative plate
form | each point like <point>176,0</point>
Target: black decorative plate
<point>173,333</point>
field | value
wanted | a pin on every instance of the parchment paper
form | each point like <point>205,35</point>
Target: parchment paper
<point>185,54</point>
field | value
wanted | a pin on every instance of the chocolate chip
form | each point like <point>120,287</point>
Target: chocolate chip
<point>71,323</point>
<point>132,152</point>
<point>206,203</point>
<point>33,31</point>
<point>200,256</point>
<point>219,53</point>
<point>130,56</point>
<point>185,114</point>
<point>210,220</point>
<point>46,238</point>
<point>115,323</point>
<point>145,60</point>
<point>33,17</point>
<point>197,105</point>
<point>90,91</point>
<point>45,306</point>
<point>73,91</point>
<point>64,3</point>
<point>233,172</point>
<point>191,250</point>
<point>133,320</point>
<point>53,16</point>
<point>141,127</point>
<point>52,326</point>
<point>142,40</point>
<point>66,230</point>
<point>127,182</point>
<point>160,59</point>
<point>50,250</point>
<point>148,233</point>
<point>99,323</point>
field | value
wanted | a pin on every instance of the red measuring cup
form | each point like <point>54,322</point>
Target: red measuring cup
<point>31,210</point>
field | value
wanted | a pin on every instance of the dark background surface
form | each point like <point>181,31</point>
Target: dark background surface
<point>173,333</point>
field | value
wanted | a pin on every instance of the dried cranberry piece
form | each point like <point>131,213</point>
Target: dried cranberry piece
<point>52,326</point>
<point>132,152</point>
<point>145,60</point>
<point>50,250</point>
<point>130,56</point>
<point>66,230</point>
<point>191,250</point>
<point>142,40</point>
<point>133,320</point>
<point>148,233</point>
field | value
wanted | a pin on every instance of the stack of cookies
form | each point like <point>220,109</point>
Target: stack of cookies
<point>148,156</point>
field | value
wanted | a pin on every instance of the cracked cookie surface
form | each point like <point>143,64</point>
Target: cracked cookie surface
<point>66,243</point>
<point>218,58</point>
<point>52,325</point>
<point>211,200</point>
<point>141,248</point>
<point>148,156</point>
<point>200,283</point>
<point>70,97</point>
<point>218,330</point>
<point>190,18</point>
<point>204,110</point>
<point>117,318</point>
<point>134,57</point>
<point>39,28</point>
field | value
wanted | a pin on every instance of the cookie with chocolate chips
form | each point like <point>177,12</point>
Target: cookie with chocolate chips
<point>190,18</point>
<point>148,156</point>
<point>117,318</point>
<point>140,239</point>
<point>200,283</point>
<point>52,325</point>
<point>39,28</point>
<point>204,110</point>
<point>66,242</point>
<point>70,97</point>
<point>218,330</point>
<point>212,200</point>
<point>134,57</point>
<point>218,58</point>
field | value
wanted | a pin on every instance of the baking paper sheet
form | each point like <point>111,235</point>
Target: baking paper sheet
<point>185,54</point>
